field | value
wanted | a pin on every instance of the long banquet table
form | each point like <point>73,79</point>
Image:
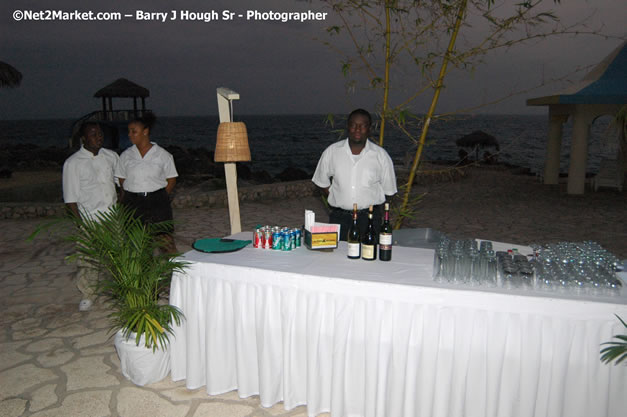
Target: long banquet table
<point>357,338</point>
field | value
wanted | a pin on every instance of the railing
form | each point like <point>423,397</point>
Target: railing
<point>121,115</point>
<point>116,115</point>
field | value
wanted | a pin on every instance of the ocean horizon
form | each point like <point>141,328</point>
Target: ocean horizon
<point>280,141</point>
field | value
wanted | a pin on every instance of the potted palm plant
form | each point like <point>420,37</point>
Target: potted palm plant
<point>138,274</point>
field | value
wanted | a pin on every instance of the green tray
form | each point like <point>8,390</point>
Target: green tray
<point>217,245</point>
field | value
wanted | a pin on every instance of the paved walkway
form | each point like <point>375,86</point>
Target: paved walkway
<point>55,361</point>
<point>58,362</point>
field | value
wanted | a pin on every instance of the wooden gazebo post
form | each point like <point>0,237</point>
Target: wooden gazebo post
<point>110,113</point>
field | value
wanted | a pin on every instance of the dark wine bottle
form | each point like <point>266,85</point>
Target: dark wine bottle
<point>385,236</point>
<point>369,241</point>
<point>354,238</point>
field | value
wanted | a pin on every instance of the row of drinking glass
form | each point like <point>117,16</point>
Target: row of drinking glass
<point>581,267</point>
<point>463,261</point>
<point>515,271</point>
<point>575,267</point>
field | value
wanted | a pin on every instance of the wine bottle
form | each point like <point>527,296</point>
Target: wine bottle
<point>385,236</point>
<point>369,241</point>
<point>354,238</point>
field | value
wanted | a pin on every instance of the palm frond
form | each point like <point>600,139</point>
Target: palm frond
<point>136,270</point>
<point>615,351</point>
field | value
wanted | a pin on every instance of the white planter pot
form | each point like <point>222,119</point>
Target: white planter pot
<point>140,364</point>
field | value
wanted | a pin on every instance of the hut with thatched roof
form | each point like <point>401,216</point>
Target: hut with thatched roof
<point>477,139</point>
<point>9,76</point>
<point>121,88</point>
<point>114,122</point>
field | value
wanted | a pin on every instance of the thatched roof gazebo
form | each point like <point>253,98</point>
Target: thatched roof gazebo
<point>477,139</point>
<point>9,76</point>
<point>125,89</point>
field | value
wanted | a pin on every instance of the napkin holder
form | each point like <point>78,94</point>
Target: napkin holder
<point>323,240</point>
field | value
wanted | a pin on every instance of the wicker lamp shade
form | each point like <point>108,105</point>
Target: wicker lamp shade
<point>232,143</point>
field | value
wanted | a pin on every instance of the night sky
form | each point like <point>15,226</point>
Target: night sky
<point>278,68</point>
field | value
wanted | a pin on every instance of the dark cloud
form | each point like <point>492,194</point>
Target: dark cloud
<point>276,67</point>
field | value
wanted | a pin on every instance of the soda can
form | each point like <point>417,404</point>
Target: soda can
<point>262,239</point>
<point>287,240</point>
<point>257,238</point>
<point>293,239</point>
<point>277,241</point>
<point>268,235</point>
<point>298,235</point>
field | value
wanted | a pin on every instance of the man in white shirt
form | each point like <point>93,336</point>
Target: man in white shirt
<point>89,189</point>
<point>355,170</point>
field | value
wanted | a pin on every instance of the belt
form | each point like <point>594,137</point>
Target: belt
<point>144,194</point>
<point>364,210</point>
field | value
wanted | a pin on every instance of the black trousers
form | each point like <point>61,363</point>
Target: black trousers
<point>150,207</point>
<point>345,219</point>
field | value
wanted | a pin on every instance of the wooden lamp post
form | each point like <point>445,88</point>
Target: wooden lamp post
<point>231,147</point>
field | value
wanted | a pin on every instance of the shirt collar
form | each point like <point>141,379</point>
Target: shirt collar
<point>149,150</point>
<point>88,153</point>
<point>367,147</point>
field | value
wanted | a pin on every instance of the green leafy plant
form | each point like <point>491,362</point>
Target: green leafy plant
<point>137,272</point>
<point>616,351</point>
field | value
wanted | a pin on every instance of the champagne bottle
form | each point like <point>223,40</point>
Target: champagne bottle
<point>369,241</point>
<point>354,238</point>
<point>385,236</point>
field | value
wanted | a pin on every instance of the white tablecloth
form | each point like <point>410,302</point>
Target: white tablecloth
<point>359,338</point>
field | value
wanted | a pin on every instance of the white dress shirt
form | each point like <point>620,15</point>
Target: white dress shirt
<point>364,179</point>
<point>147,174</point>
<point>88,180</point>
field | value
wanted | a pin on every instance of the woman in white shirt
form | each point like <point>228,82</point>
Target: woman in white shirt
<point>147,175</point>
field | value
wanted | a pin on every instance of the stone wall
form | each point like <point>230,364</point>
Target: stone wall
<point>183,199</point>
<point>30,210</point>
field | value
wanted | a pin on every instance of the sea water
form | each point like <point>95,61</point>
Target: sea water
<point>277,142</point>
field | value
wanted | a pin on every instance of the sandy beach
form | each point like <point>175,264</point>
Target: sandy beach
<point>53,359</point>
<point>497,204</point>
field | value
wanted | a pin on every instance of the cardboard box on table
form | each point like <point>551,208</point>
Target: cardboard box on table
<point>322,240</point>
